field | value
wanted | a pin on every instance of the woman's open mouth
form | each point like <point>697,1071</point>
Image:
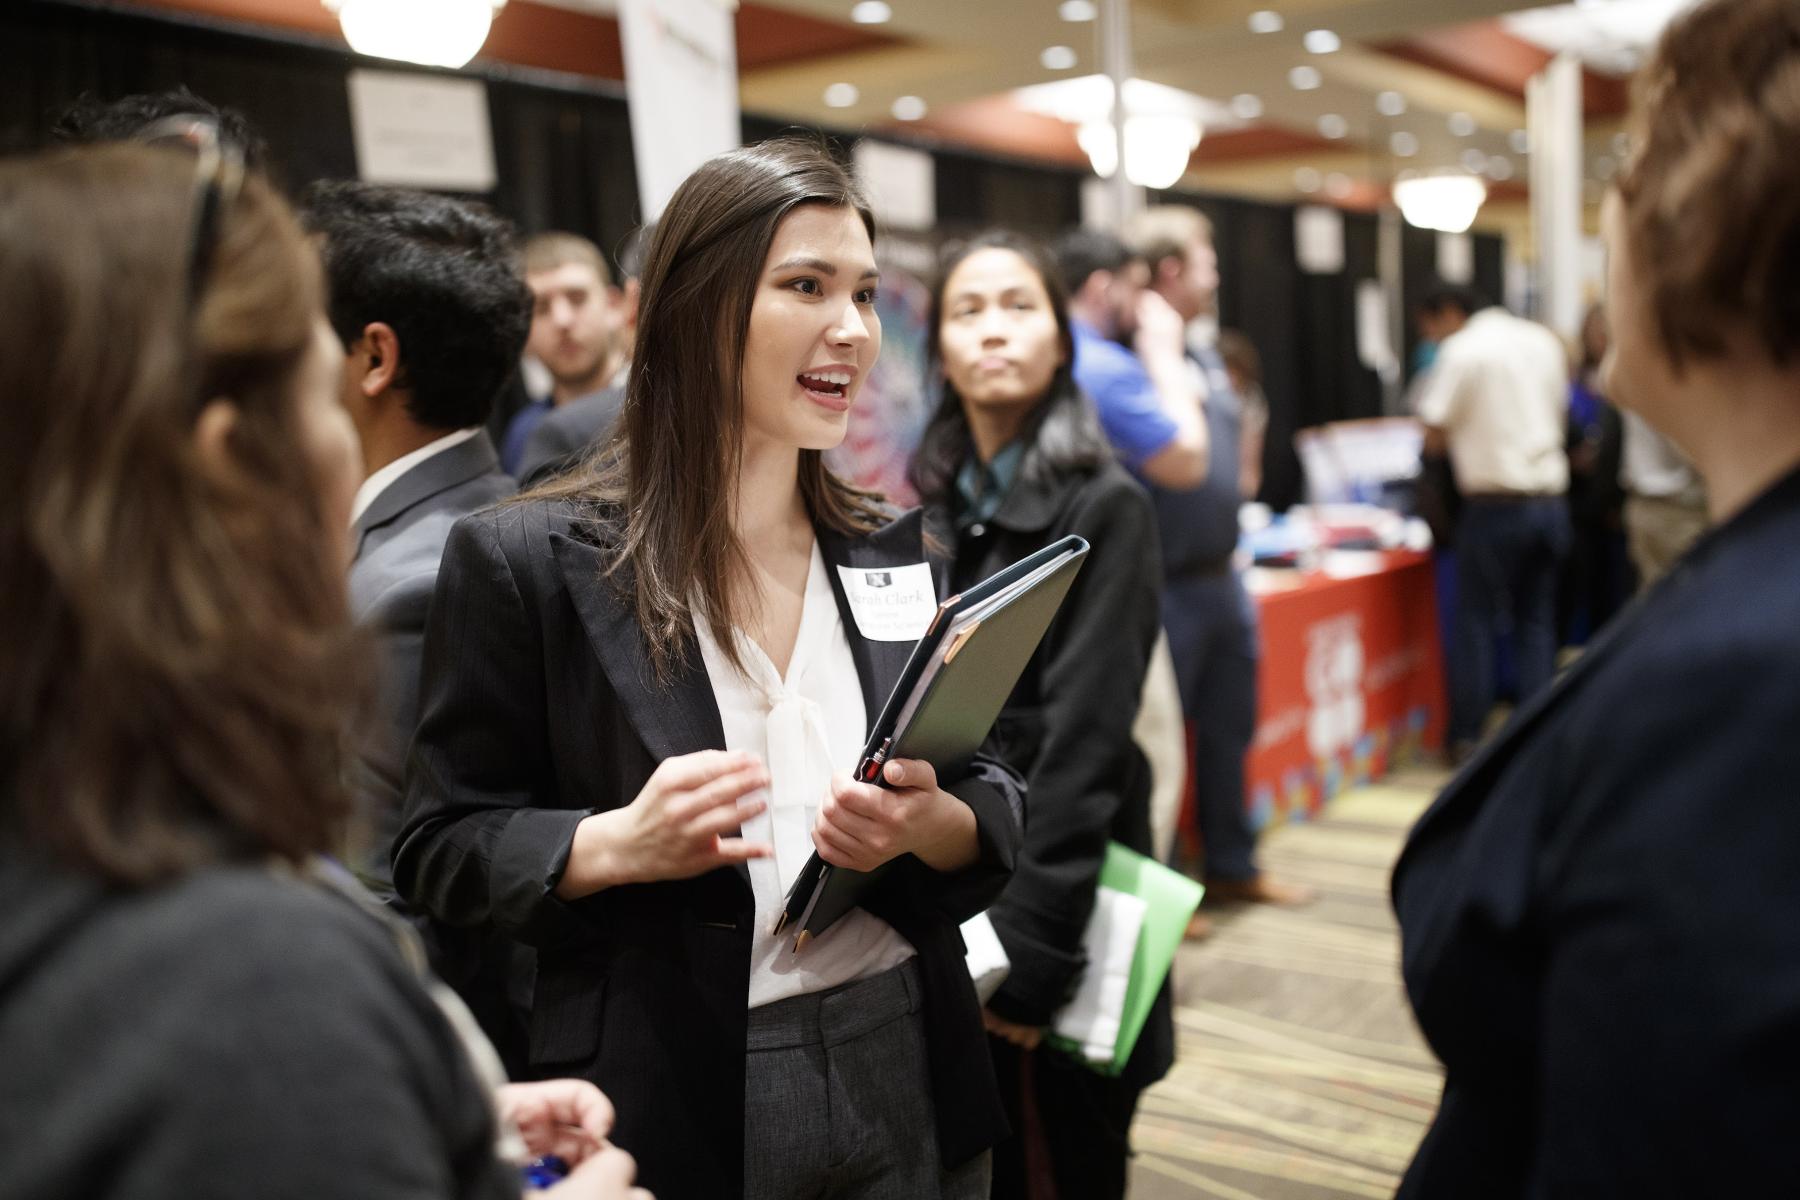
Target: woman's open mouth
<point>830,389</point>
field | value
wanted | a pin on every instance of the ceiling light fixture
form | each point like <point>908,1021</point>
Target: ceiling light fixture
<point>432,33</point>
<point>1500,168</point>
<point>1246,107</point>
<point>1403,144</point>
<point>871,12</point>
<point>1157,148</point>
<point>1520,141</point>
<point>909,108</point>
<point>1461,124</point>
<point>1333,126</point>
<point>1474,161</point>
<point>1304,79</point>
<point>1308,180</point>
<point>1390,104</point>
<point>1321,41</point>
<point>1057,58</point>
<point>1266,21</point>
<point>1445,202</point>
<point>1077,10</point>
<point>841,95</point>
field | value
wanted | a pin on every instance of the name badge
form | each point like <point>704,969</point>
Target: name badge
<point>890,604</point>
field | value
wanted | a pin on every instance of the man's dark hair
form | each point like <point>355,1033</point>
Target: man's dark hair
<point>1081,252</point>
<point>1441,296</point>
<point>91,119</point>
<point>443,273</point>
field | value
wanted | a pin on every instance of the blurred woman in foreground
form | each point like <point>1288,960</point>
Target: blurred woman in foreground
<point>1601,914</point>
<point>190,1004</point>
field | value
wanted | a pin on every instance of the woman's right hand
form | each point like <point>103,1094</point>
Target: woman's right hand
<point>606,1174</point>
<point>676,828</point>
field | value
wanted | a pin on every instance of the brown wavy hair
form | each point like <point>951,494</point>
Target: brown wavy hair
<point>1711,189</point>
<point>174,648</point>
<point>667,475</point>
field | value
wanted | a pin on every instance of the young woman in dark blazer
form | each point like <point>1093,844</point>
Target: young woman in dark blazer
<point>638,685</point>
<point>1013,460</point>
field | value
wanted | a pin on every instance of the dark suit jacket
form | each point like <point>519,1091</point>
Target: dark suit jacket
<point>566,434</point>
<point>1601,913</point>
<point>1067,728</point>
<point>540,708</point>
<point>399,543</point>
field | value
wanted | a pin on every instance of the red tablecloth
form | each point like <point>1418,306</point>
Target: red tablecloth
<point>1351,681</point>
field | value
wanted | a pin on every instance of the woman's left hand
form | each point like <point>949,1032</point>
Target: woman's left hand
<point>568,1118</point>
<point>862,825</point>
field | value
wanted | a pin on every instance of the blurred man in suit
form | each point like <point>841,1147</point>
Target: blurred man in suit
<point>427,298</point>
<point>580,330</point>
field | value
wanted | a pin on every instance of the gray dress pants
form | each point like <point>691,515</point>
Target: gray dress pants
<point>837,1099</point>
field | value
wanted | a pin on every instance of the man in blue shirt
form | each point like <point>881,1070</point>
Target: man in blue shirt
<point>1169,411</point>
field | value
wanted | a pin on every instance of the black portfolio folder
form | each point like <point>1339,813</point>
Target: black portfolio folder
<point>955,683</point>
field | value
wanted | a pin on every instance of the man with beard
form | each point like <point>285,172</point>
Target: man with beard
<point>577,321</point>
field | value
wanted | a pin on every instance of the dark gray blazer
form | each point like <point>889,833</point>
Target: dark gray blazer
<point>399,543</point>
<point>563,437</point>
<point>539,707</point>
<point>1600,915</point>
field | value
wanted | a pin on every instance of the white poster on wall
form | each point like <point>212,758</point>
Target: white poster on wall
<point>426,131</point>
<point>1319,239</point>
<point>901,184</point>
<point>681,85</point>
<point>1455,258</point>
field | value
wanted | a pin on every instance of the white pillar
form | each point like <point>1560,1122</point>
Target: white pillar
<point>1553,110</point>
<point>1115,57</point>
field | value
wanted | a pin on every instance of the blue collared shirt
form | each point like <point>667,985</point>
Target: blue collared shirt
<point>982,487</point>
<point>1130,411</point>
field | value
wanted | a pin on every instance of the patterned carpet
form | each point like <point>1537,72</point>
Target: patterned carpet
<point>1300,1074</point>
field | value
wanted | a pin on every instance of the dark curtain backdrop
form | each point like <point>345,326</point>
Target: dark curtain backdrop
<point>563,158</point>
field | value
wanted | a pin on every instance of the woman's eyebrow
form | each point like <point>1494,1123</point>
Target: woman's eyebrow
<point>819,265</point>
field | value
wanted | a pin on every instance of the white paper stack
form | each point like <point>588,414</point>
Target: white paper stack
<point>1092,1018</point>
<point>988,964</point>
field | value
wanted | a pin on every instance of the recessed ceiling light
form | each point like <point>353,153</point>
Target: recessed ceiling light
<point>1520,141</point>
<point>1403,144</point>
<point>1500,168</point>
<point>1246,107</point>
<point>1307,180</point>
<point>1321,41</point>
<point>909,108</point>
<point>1390,104</point>
<point>1266,21</point>
<point>1057,58</point>
<point>1338,185</point>
<point>1333,126</point>
<point>871,12</point>
<point>841,95</point>
<point>1474,160</point>
<point>1304,79</point>
<point>1077,10</point>
<point>1461,124</point>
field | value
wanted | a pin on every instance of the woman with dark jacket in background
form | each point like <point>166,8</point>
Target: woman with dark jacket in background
<point>1013,460</point>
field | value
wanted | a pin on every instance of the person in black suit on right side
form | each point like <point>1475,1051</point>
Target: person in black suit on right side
<point>1601,913</point>
<point>1013,460</point>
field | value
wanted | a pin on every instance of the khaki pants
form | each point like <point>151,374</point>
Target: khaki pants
<point>1659,530</point>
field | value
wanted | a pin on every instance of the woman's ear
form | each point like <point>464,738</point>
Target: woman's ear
<point>212,439</point>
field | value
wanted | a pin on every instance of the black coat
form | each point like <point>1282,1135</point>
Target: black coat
<point>1601,913</point>
<point>1067,729</point>
<point>539,708</point>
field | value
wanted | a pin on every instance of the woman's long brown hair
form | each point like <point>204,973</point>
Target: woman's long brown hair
<point>174,649</point>
<point>669,471</point>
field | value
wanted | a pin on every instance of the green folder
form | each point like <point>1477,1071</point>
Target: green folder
<point>1170,899</point>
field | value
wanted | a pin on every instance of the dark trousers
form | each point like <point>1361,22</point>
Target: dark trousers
<point>1211,623</point>
<point>1071,1127</point>
<point>1508,554</point>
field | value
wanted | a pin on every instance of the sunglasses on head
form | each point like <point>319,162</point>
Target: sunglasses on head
<point>218,176</point>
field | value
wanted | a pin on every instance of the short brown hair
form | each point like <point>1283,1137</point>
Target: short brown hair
<point>1711,190</point>
<point>174,649</point>
<point>548,251</point>
<point>1166,231</point>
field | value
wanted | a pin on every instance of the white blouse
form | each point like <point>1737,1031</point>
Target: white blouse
<point>804,727</point>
